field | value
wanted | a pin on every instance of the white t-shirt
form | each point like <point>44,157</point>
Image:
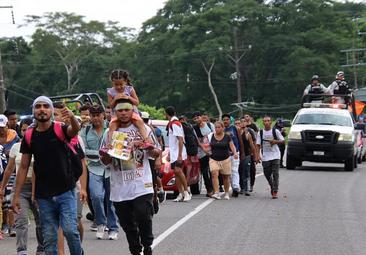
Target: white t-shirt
<point>15,153</point>
<point>176,131</point>
<point>130,178</point>
<point>269,152</point>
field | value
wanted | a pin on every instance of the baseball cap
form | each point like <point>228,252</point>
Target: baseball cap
<point>145,115</point>
<point>3,120</point>
<point>196,114</point>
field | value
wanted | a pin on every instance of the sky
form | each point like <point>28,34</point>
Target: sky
<point>130,13</point>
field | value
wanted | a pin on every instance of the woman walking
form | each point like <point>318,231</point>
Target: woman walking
<point>222,147</point>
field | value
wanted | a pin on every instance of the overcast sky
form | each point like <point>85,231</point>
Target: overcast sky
<point>130,13</point>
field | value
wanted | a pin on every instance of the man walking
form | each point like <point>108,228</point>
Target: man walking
<point>55,181</point>
<point>131,180</point>
<point>177,153</point>
<point>203,129</point>
<point>268,140</point>
<point>99,175</point>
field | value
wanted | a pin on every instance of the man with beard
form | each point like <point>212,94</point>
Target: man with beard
<point>54,184</point>
<point>131,180</point>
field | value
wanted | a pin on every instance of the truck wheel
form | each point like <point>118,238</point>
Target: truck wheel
<point>349,164</point>
<point>290,163</point>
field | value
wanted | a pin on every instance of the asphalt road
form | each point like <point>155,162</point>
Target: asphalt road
<point>321,210</point>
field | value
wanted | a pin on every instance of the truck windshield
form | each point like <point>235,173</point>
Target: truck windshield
<point>323,119</point>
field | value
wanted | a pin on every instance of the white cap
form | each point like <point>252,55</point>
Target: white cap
<point>3,120</point>
<point>340,73</point>
<point>145,115</point>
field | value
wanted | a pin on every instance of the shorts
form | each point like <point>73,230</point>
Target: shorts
<point>79,206</point>
<point>224,166</point>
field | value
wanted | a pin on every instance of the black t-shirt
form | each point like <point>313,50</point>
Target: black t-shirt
<point>220,149</point>
<point>51,165</point>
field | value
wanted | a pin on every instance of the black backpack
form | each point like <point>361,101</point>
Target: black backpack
<point>191,141</point>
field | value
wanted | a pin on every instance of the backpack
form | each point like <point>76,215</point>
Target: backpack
<point>191,141</point>
<point>72,147</point>
<point>261,135</point>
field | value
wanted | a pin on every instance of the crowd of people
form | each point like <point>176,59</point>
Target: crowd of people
<point>55,163</point>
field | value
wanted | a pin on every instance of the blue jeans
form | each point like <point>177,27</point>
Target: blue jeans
<point>60,211</point>
<point>100,187</point>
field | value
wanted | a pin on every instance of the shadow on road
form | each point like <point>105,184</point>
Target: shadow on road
<point>322,168</point>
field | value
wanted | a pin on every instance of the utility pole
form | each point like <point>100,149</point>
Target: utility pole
<point>2,88</point>
<point>2,83</point>
<point>236,59</point>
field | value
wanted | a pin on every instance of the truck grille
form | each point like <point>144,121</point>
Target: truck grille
<point>319,136</point>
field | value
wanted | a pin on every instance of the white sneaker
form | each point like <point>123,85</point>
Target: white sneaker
<point>227,196</point>
<point>100,232</point>
<point>187,196</point>
<point>113,235</point>
<point>216,196</point>
<point>179,198</point>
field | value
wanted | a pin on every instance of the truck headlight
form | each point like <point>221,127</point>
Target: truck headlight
<point>294,135</point>
<point>345,137</point>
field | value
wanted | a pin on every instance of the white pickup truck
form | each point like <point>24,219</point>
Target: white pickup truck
<point>326,134</point>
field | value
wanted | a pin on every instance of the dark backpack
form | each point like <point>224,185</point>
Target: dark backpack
<point>190,138</point>
<point>72,148</point>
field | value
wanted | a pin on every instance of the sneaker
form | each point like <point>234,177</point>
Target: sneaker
<point>241,192</point>
<point>179,198</point>
<point>247,193</point>
<point>100,232</point>
<point>274,195</point>
<point>187,196</point>
<point>113,235</point>
<point>235,193</point>
<point>161,196</point>
<point>226,197</point>
<point>93,227</point>
<point>5,230</point>
<point>216,196</point>
<point>209,194</point>
<point>12,232</point>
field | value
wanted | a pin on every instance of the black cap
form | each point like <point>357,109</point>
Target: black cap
<point>196,114</point>
<point>96,109</point>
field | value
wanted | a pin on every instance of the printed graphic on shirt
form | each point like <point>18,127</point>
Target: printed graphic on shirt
<point>131,160</point>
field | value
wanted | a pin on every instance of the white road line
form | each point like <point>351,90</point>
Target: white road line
<point>179,223</point>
